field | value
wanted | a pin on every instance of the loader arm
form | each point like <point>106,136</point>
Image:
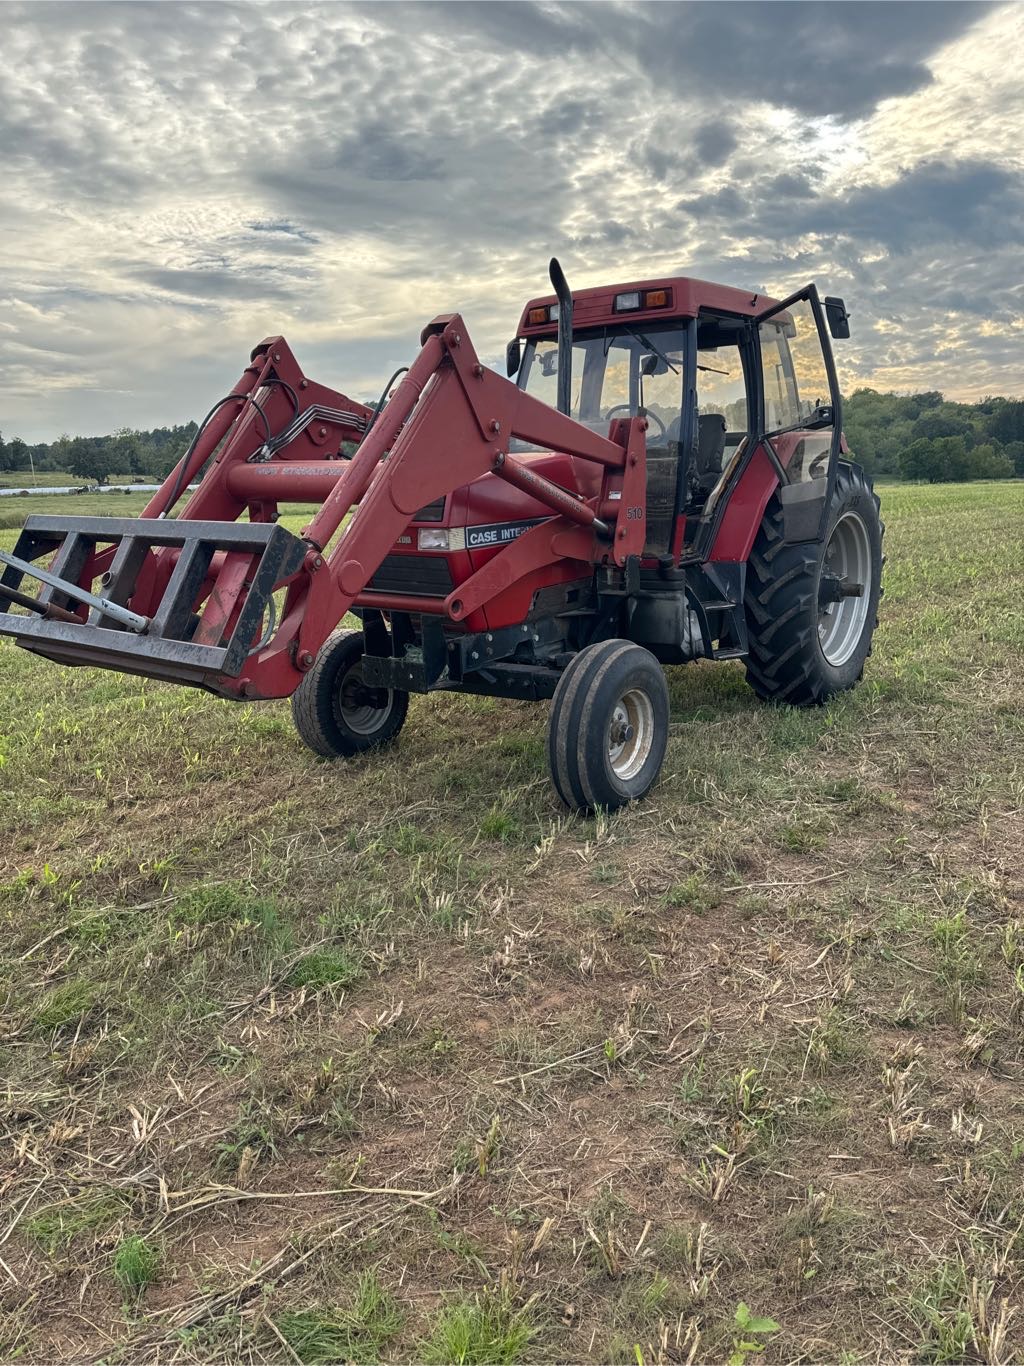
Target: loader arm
<point>202,583</point>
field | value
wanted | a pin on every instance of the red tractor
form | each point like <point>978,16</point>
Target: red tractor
<point>661,479</point>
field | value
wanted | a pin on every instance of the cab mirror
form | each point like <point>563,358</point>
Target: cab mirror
<point>513,357</point>
<point>822,416</point>
<point>838,318</point>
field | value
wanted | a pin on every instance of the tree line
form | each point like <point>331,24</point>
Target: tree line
<point>895,436</point>
<point>927,437</point>
<point>150,455</point>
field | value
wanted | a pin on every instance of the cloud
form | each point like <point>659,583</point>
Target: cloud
<point>960,204</point>
<point>223,283</point>
<point>180,180</point>
<point>714,143</point>
<point>935,203</point>
<point>817,58</point>
<point>820,58</point>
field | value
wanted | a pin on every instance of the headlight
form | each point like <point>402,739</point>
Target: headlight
<point>441,538</point>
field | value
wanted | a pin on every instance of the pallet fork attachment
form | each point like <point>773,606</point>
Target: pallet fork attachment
<point>203,583</point>
<point>105,606</point>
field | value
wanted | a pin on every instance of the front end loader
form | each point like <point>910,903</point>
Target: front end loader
<point>561,533</point>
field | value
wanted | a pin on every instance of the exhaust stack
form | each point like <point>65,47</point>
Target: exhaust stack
<point>561,288</point>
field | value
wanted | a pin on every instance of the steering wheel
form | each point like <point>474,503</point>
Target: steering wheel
<point>651,417</point>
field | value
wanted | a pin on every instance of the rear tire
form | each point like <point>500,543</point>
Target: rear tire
<point>335,712</point>
<point>803,648</point>
<point>608,728</point>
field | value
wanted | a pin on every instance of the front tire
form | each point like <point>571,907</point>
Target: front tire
<point>809,632</point>
<point>608,728</point>
<point>335,712</point>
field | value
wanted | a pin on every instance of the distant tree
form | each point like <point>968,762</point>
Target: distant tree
<point>18,456</point>
<point>862,446</point>
<point>13,454</point>
<point>936,422</point>
<point>126,452</point>
<point>60,453</point>
<point>90,459</point>
<point>919,460</point>
<point>989,462</point>
<point>915,404</point>
<point>1007,421</point>
<point>1014,452</point>
<point>942,460</point>
<point>912,436</point>
<point>922,436</point>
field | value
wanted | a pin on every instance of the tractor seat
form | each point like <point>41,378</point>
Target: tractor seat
<point>710,449</point>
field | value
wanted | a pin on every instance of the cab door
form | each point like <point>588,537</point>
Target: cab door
<point>799,422</point>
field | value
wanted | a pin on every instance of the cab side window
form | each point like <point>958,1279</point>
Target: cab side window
<point>797,392</point>
<point>795,378</point>
<point>721,387</point>
<point>781,399</point>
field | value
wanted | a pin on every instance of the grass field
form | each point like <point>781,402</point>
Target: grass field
<point>25,479</point>
<point>395,1060</point>
<point>13,511</point>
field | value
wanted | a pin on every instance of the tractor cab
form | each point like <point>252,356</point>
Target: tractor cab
<point>719,373</point>
<point>624,371</point>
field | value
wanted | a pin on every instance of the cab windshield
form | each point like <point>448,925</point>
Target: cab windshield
<point>611,369</point>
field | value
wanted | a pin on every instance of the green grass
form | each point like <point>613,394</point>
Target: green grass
<point>25,479</point>
<point>562,1086</point>
<point>482,1331</point>
<point>949,1308</point>
<point>328,967</point>
<point>136,1265</point>
<point>58,1228</point>
<point>14,510</point>
<point>65,1004</point>
<point>358,1334</point>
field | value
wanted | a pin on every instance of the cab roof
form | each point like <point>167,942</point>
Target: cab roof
<point>687,297</point>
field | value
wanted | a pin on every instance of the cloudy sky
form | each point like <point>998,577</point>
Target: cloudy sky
<point>179,180</point>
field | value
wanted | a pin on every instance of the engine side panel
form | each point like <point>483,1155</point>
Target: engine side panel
<point>491,514</point>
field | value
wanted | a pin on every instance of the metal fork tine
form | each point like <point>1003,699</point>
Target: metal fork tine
<point>68,563</point>
<point>182,588</point>
<point>121,576</point>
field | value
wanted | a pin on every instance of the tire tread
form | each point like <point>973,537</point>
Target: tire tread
<point>784,663</point>
<point>576,730</point>
<point>313,704</point>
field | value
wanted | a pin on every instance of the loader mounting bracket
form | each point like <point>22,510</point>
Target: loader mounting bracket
<point>431,662</point>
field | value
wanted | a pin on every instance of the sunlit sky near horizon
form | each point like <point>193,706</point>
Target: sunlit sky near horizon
<point>180,180</point>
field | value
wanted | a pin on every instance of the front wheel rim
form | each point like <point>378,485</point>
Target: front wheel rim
<point>848,559</point>
<point>357,703</point>
<point>630,734</point>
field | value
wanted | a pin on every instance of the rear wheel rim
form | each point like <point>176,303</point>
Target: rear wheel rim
<point>630,734</point>
<point>357,703</point>
<point>848,558</point>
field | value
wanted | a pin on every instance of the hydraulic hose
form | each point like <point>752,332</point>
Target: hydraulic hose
<point>183,463</point>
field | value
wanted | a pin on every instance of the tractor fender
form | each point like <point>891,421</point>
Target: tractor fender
<point>745,509</point>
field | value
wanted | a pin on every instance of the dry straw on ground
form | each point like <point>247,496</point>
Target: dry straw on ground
<point>304,1062</point>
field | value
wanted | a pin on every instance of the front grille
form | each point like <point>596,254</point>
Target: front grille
<point>428,575</point>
